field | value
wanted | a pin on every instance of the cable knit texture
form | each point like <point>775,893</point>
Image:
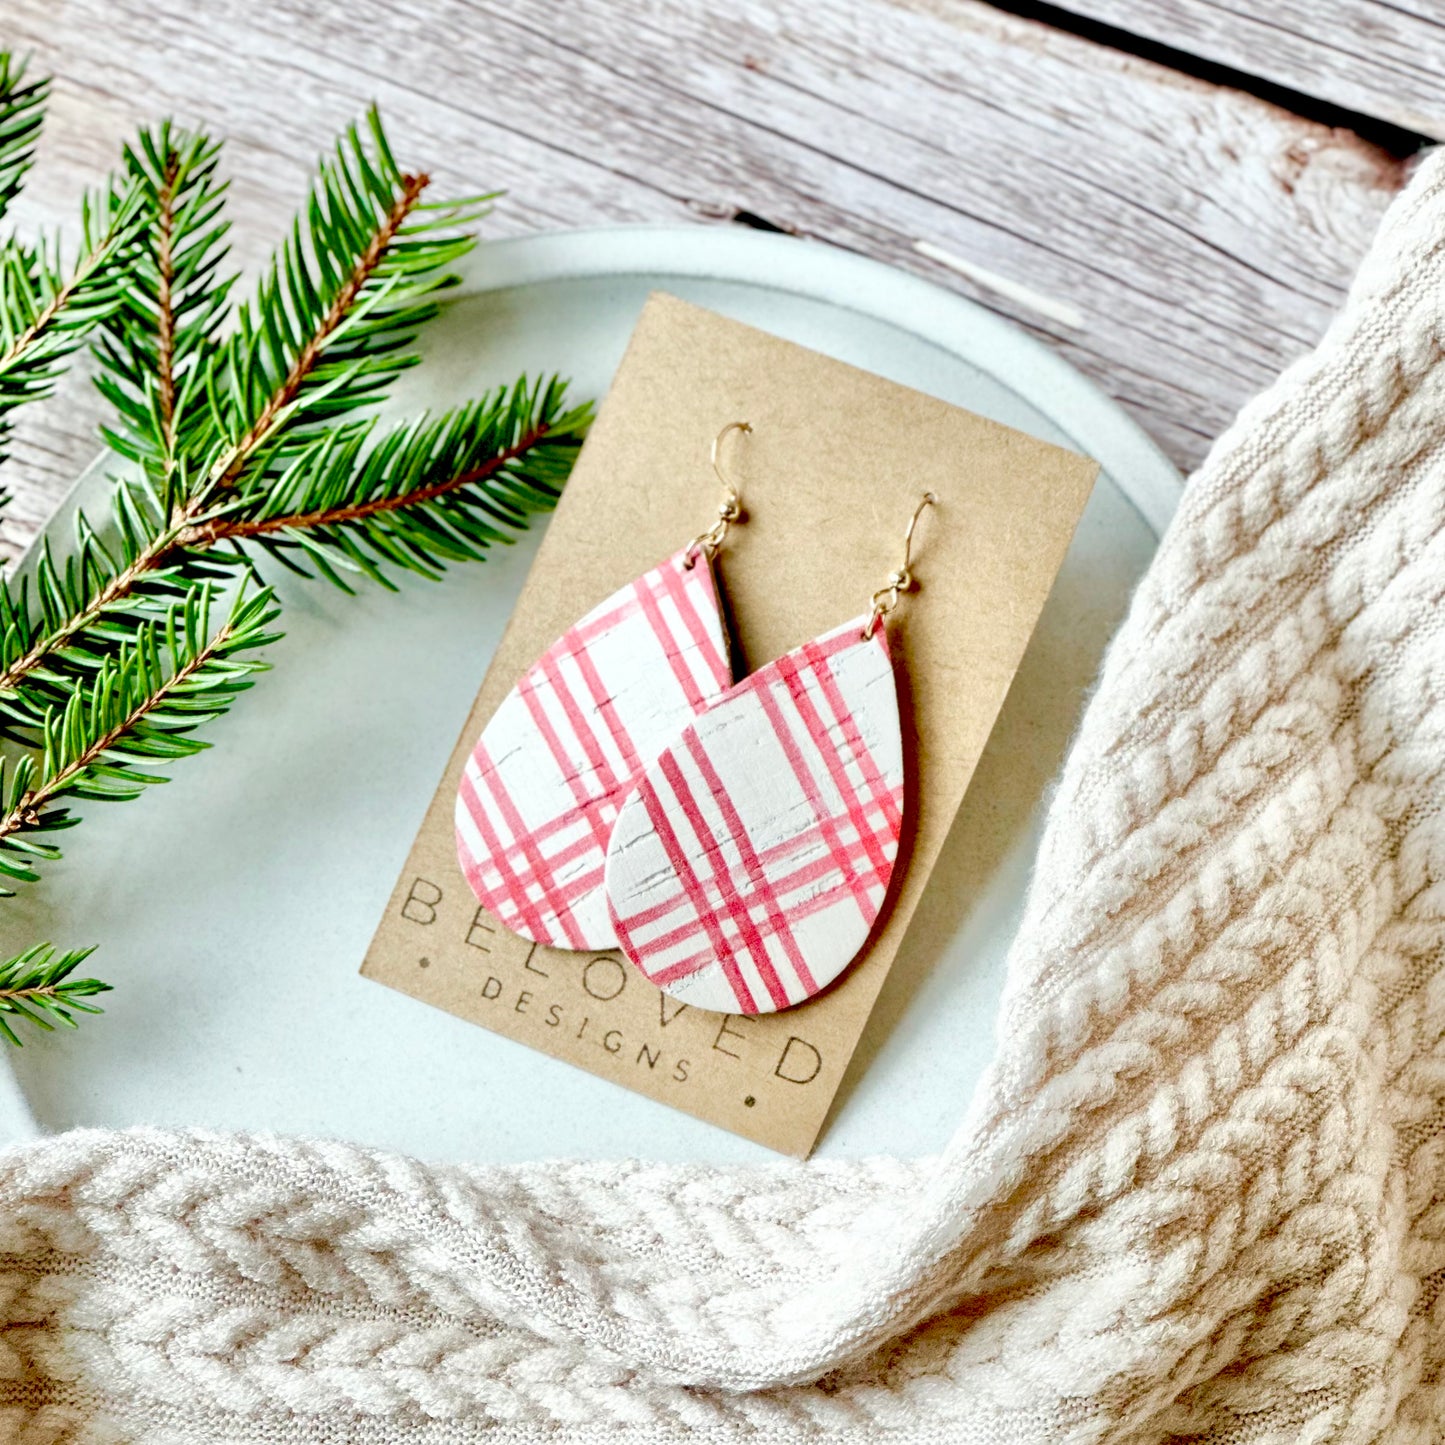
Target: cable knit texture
<point>1199,1194</point>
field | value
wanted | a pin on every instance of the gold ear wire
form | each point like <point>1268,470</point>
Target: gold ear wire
<point>729,509</point>
<point>885,599</point>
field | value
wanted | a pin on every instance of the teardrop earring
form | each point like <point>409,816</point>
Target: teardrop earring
<point>748,866</point>
<point>541,789</point>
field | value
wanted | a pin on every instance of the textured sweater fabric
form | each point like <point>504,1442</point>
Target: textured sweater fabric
<point>1198,1195</point>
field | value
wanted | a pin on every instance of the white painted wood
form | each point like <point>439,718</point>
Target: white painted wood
<point>751,862</point>
<point>1198,238</point>
<point>541,790</point>
<point>1380,58</point>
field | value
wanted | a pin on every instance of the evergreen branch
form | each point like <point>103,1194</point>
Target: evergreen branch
<point>37,986</point>
<point>141,708</point>
<point>156,347</point>
<point>425,494</point>
<point>421,495</point>
<point>328,329</point>
<point>83,602</point>
<point>22,114</point>
<point>256,442</point>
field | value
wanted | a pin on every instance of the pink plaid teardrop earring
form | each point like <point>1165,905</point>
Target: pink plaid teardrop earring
<point>749,864</point>
<point>541,789</point>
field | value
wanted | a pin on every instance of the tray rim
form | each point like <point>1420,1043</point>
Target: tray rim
<point>817,270</point>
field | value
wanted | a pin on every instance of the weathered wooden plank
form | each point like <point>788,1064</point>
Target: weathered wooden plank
<point>1177,241</point>
<point>1379,58</point>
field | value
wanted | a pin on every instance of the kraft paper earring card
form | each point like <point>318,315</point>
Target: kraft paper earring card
<point>835,459</point>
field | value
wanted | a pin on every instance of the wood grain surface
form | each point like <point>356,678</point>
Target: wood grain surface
<point>1178,241</point>
<point>1380,58</point>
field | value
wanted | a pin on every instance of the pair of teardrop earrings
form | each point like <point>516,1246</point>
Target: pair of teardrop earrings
<point>735,841</point>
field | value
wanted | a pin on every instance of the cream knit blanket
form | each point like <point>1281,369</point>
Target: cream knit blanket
<point>1200,1194</point>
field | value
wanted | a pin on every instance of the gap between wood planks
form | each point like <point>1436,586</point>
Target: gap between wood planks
<point>1377,58</point>
<point>1395,140</point>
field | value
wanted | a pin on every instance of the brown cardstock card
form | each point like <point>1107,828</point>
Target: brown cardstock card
<point>835,465</point>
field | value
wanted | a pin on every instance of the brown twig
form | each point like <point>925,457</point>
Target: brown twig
<point>24,995</point>
<point>286,393</point>
<point>166,321</point>
<point>56,304</point>
<point>223,529</point>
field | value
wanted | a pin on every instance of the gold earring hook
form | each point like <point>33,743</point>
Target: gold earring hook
<point>729,509</point>
<point>885,599</point>
<point>743,426</point>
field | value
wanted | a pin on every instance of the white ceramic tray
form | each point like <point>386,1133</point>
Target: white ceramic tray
<point>233,906</point>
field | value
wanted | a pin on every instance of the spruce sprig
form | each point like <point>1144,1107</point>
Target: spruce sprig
<point>334,317</point>
<point>361,273</point>
<point>241,436</point>
<point>38,986</point>
<point>418,496</point>
<point>47,310</point>
<point>160,342</point>
<point>139,710</point>
<point>414,496</point>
